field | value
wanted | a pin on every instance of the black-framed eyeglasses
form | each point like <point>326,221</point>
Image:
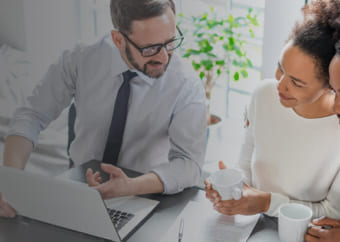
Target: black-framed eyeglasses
<point>156,48</point>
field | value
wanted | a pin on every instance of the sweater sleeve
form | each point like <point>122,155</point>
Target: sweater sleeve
<point>329,207</point>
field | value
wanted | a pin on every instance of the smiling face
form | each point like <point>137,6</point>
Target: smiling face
<point>334,81</point>
<point>144,33</point>
<point>299,85</point>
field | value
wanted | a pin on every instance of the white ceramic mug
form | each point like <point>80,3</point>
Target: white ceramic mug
<point>293,222</point>
<point>228,183</point>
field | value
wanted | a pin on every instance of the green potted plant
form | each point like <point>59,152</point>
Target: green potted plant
<point>217,48</point>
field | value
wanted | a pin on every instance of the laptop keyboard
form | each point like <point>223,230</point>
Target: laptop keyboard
<point>119,218</point>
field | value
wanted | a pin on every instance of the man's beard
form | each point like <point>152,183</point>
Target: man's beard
<point>144,69</point>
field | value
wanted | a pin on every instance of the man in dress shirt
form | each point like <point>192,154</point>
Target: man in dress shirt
<point>165,129</point>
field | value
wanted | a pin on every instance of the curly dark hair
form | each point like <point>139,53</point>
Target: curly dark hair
<point>337,47</point>
<point>318,32</point>
<point>326,12</point>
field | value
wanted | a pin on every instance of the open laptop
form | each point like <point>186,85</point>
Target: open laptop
<point>72,205</point>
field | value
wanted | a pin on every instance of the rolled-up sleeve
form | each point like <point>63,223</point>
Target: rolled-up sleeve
<point>52,94</point>
<point>187,134</point>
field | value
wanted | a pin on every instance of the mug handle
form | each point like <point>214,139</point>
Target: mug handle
<point>236,193</point>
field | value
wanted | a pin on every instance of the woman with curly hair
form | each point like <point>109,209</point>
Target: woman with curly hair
<point>291,147</point>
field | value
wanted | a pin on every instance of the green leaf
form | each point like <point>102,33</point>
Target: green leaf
<point>186,55</point>
<point>238,63</point>
<point>211,55</point>
<point>193,52</point>
<point>227,47</point>
<point>205,46</point>
<point>202,75</point>
<point>196,66</point>
<point>204,17</point>
<point>239,53</point>
<point>252,34</point>
<point>220,62</point>
<point>236,76</point>
<point>244,73</point>
<point>250,64</point>
<point>208,64</point>
<point>231,18</point>
<point>212,23</point>
<point>252,19</point>
<point>231,41</point>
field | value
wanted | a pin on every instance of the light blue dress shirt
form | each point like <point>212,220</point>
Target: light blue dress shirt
<point>165,130</point>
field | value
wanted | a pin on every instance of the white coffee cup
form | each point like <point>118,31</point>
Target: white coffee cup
<point>293,222</point>
<point>228,183</point>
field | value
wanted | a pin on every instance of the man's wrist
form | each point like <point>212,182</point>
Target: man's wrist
<point>146,184</point>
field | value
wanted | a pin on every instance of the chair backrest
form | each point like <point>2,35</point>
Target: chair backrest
<point>72,113</point>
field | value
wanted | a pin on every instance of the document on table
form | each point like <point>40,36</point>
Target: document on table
<point>203,224</point>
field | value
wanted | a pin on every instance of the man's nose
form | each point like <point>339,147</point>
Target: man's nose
<point>162,56</point>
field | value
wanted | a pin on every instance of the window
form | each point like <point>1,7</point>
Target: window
<point>95,19</point>
<point>230,98</point>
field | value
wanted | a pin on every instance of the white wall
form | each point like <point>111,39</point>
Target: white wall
<point>279,19</point>
<point>51,26</point>
<point>12,20</point>
<point>43,28</point>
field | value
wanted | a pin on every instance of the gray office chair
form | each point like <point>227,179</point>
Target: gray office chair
<point>71,134</point>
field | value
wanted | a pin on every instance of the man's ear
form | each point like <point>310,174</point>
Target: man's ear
<point>118,39</point>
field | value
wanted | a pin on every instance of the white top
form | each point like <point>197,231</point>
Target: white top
<point>165,130</point>
<point>294,158</point>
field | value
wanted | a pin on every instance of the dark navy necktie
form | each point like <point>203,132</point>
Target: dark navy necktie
<point>115,137</point>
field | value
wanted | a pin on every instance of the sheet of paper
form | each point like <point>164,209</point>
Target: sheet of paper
<point>203,224</point>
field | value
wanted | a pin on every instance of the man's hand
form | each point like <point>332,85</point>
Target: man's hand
<point>5,209</point>
<point>252,202</point>
<point>118,185</point>
<point>318,233</point>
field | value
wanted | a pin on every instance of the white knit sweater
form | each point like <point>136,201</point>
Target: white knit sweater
<point>294,158</point>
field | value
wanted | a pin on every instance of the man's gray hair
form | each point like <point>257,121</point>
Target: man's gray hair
<point>123,12</point>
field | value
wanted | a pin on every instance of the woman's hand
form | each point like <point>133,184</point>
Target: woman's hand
<point>318,233</point>
<point>252,202</point>
<point>210,193</point>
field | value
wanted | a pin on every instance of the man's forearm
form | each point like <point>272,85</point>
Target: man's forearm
<point>147,183</point>
<point>17,151</point>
